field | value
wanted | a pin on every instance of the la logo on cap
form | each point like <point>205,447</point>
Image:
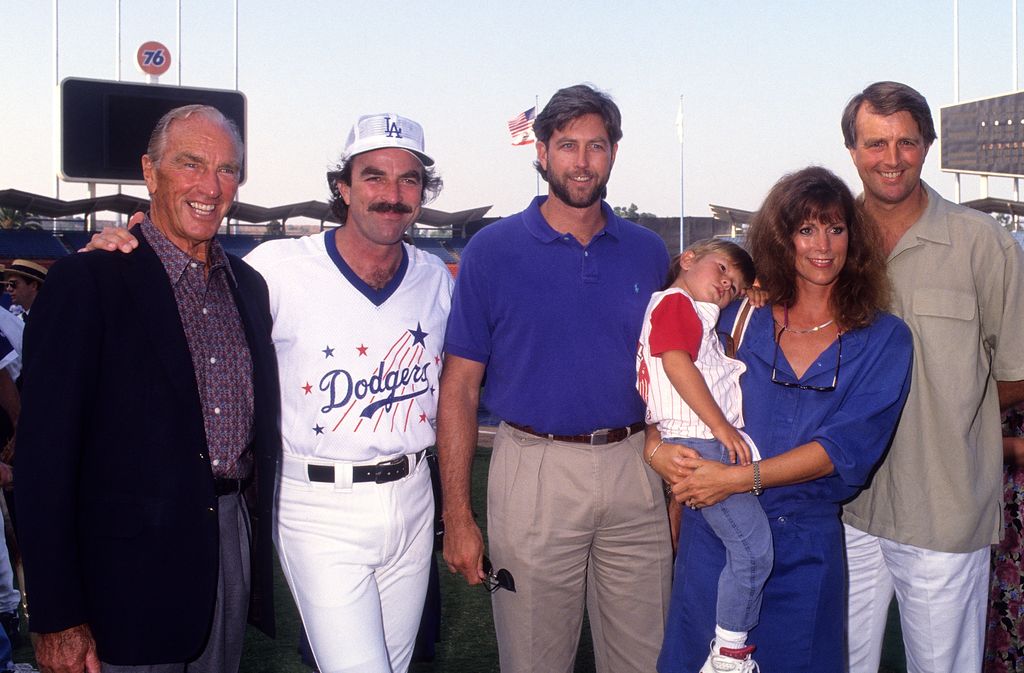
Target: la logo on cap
<point>383,130</point>
<point>393,129</point>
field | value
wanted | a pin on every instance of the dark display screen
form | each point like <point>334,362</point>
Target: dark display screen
<point>105,125</point>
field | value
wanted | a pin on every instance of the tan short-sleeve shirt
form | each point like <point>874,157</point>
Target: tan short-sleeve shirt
<point>957,277</point>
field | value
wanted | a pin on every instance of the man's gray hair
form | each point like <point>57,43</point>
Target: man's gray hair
<point>158,139</point>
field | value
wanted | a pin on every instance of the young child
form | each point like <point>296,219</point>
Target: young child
<point>692,392</point>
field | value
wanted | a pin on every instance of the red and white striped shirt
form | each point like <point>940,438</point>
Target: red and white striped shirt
<point>675,321</point>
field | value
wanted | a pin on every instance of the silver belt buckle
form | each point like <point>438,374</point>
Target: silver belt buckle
<point>599,437</point>
<point>397,466</point>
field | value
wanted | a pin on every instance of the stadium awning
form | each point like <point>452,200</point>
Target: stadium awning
<point>48,206</point>
<point>731,215</point>
<point>994,205</point>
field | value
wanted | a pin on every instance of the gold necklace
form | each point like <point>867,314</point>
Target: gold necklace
<point>786,328</point>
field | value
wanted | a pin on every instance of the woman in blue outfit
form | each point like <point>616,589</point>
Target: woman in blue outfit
<point>827,374</point>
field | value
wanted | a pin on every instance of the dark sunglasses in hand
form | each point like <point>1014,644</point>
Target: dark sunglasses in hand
<point>502,579</point>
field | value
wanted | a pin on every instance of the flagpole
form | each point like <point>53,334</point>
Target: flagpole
<point>682,201</point>
<point>536,106</point>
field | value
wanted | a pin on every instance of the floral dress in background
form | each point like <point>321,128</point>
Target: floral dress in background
<point>1004,642</point>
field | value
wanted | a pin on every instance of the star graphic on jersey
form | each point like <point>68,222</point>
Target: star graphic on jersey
<point>362,350</point>
<point>308,388</point>
<point>318,429</point>
<point>423,418</point>
<point>437,359</point>
<point>328,352</point>
<point>418,336</point>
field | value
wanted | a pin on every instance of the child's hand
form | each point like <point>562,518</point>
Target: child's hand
<point>732,440</point>
<point>756,296</point>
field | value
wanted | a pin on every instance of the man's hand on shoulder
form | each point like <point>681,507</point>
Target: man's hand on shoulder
<point>69,651</point>
<point>115,238</point>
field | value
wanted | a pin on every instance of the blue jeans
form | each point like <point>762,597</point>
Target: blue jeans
<point>741,525</point>
<point>5,645</point>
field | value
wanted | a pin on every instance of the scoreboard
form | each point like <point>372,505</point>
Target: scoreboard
<point>984,136</point>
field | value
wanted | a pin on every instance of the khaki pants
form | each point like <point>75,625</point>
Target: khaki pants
<point>577,524</point>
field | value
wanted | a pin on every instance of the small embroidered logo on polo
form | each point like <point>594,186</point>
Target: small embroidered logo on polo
<point>392,129</point>
<point>636,288</point>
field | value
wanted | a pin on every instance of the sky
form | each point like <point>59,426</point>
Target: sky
<point>763,84</point>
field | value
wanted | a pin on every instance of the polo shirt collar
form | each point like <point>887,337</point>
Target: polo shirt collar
<point>538,226</point>
<point>931,226</point>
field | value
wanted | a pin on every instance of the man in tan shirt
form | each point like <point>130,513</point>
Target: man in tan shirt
<point>923,526</point>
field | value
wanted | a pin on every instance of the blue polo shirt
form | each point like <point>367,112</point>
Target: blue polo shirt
<point>555,322</point>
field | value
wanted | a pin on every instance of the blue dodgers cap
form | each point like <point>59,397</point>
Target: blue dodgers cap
<point>386,129</point>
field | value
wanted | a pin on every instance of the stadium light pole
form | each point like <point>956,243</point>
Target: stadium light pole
<point>238,192</point>
<point>177,31</point>
<point>682,200</point>
<point>117,40</point>
<point>117,76</point>
<point>56,98</point>
<point>1013,22</point>
<point>1016,79</point>
<point>236,43</point>
<point>956,81</point>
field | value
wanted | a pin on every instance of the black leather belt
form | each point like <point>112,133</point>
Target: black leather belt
<point>381,473</point>
<point>222,486</point>
<point>595,438</point>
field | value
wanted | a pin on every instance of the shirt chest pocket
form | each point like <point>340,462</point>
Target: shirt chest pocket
<point>943,303</point>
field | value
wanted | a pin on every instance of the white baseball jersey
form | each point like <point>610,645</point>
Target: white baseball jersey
<point>359,368</point>
<point>670,314</point>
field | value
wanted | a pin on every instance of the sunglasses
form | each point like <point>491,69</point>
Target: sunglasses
<point>801,386</point>
<point>502,579</point>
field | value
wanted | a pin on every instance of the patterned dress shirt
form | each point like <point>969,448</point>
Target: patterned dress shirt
<point>220,353</point>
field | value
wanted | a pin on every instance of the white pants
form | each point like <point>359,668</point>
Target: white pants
<point>357,560</point>
<point>942,599</point>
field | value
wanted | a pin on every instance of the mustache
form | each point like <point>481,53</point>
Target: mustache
<point>384,207</point>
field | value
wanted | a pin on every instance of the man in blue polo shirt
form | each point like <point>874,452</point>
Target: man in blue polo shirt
<point>549,303</point>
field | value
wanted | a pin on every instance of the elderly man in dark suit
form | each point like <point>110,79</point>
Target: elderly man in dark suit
<point>134,528</point>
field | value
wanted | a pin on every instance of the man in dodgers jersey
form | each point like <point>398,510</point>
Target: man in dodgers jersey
<point>359,321</point>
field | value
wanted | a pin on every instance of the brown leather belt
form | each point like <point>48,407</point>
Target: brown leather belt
<point>595,438</point>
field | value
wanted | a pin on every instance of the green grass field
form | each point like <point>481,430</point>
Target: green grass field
<point>467,628</point>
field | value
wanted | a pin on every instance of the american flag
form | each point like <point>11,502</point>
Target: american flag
<point>521,127</point>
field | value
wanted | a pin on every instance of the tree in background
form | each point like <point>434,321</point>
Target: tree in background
<point>632,213</point>
<point>13,218</point>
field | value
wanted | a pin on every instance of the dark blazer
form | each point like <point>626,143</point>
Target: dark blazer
<point>117,513</point>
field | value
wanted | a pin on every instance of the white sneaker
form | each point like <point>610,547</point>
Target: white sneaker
<point>730,661</point>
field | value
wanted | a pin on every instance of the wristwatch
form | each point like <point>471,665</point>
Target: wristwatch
<point>757,490</point>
